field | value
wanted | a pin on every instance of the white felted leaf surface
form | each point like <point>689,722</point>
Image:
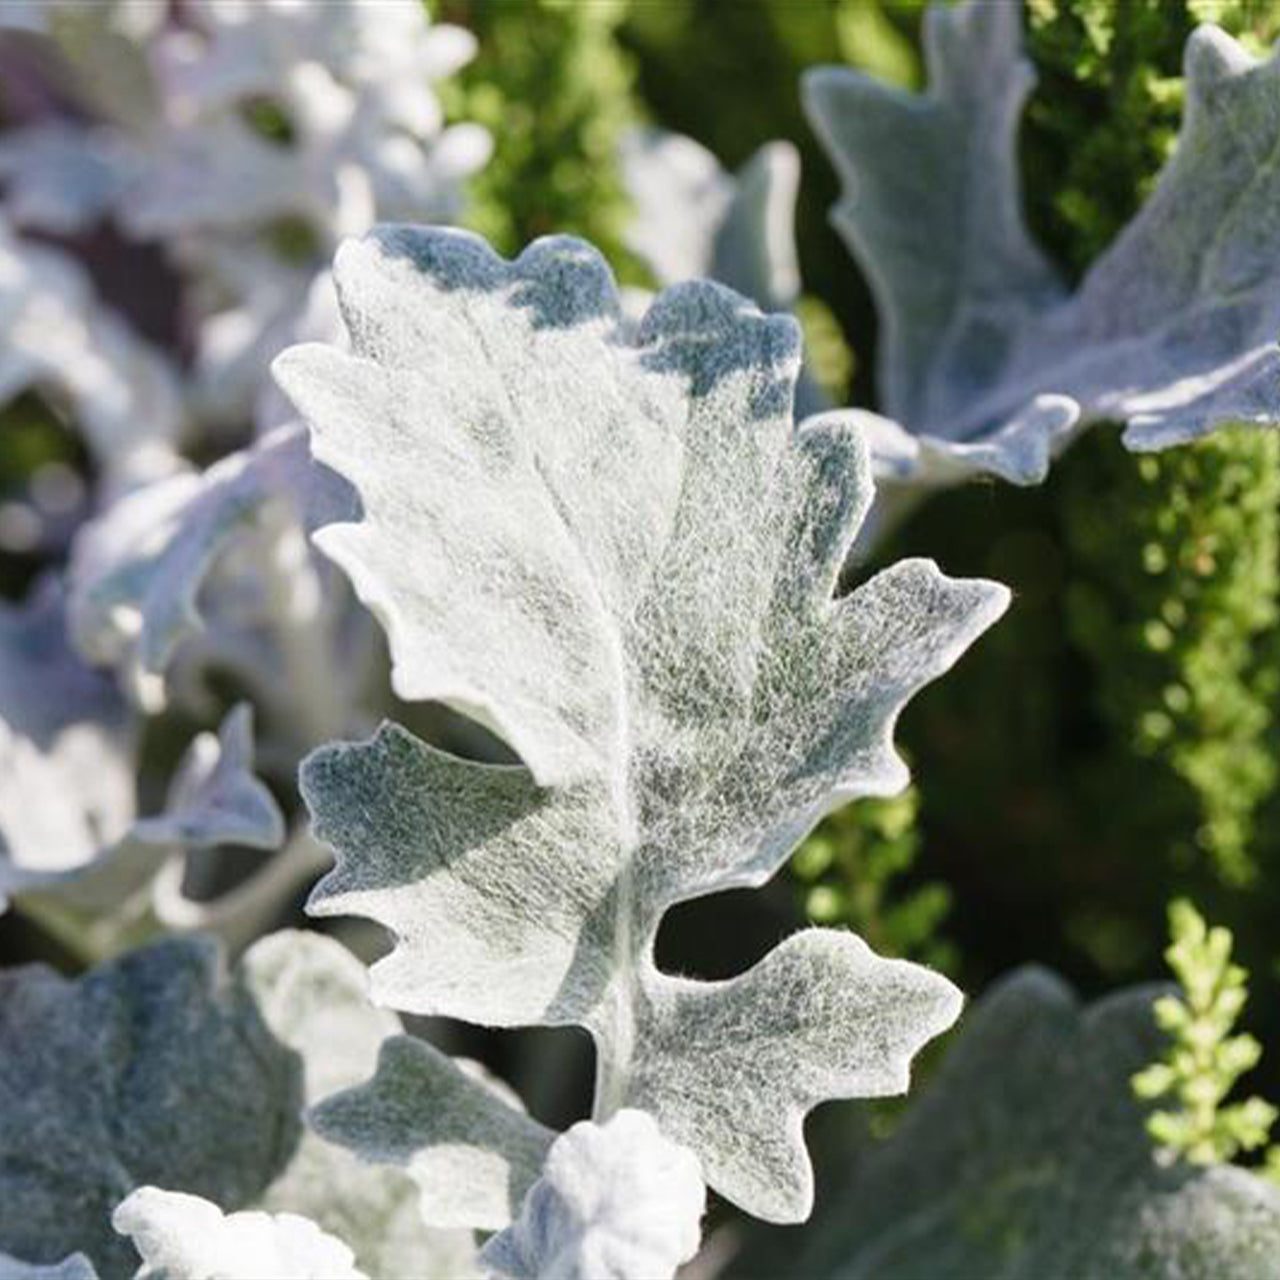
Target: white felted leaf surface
<point>470,1151</point>
<point>72,845</point>
<point>63,178</point>
<point>353,83</point>
<point>120,393</point>
<point>182,1237</point>
<point>693,221</point>
<point>66,746</point>
<point>615,546</point>
<point>615,1200</point>
<point>158,1069</point>
<point>139,571</point>
<point>97,888</point>
<point>214,797</point>
<point>379,45</point>
<point>1026,1158</point>
<point>312,994</point>
<point>1172,331</point>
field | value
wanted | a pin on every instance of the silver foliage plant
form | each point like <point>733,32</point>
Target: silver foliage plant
<point>694,221</point>
<point>612,536</point>
<point>157,1099</point>
<point>179,578</point>
<point>986,363</point>
<point>625,563</point>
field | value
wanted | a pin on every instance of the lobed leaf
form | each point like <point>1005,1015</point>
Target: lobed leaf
<point>61,340</point>
<point>71,841</point>
<point>985,362</point>
<point>472,1153</point>
<point>693,221</point>
<point>182,1237</point>
<point>614,545</point>
<point>142,571</point>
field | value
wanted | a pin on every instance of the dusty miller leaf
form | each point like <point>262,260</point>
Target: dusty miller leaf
<point>615,1200</point>
<point>67,742</point>
<point>1026,1158</point>
<point>694,221</point>
<point>157,1069</point>
<point>142,572</point>
<point>63,178</point>
<point>147,1070</point>
<point>214,799</point>
<point>312,995</point>
<point>352,84</point>
<point>985,362</point>
<point>615,546</point>
<point>72,845</point>
<point>182,1237</point>
<point>473,1154</point>
<point>58,337</point>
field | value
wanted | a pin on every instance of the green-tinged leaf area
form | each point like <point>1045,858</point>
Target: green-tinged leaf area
<point>162,1070</point>
<point>611,542</point>
<point>1027,1159</point>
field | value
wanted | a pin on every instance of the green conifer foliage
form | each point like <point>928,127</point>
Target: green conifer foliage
<point>554,88</point>
<point>1204,1059</point>
<point>1175,589</point>
<point>1107,109</point>
<point>850,871</point>
<point>1174,578</point>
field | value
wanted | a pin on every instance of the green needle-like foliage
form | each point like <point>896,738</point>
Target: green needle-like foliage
<point>1107,110</point>
<point>1204,1059</point>
<point>1177,576</point>
<point>552,85</point>
<point>849,871</point>
<point>1175,559</point>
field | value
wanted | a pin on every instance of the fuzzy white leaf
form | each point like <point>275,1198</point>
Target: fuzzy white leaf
<point>182,1237</point>
<point>616,547</point>
<point>72,845</point>
<point>1171,332</point>
<point>67,743</point>
<point>141,572</point>
<point>57,336</point>
<point>471,1152</point>
<point>615,1201</point>
<point>694,221</point>
<point>353,86</point>
<point>312,994</point>
<point>64,178</point>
